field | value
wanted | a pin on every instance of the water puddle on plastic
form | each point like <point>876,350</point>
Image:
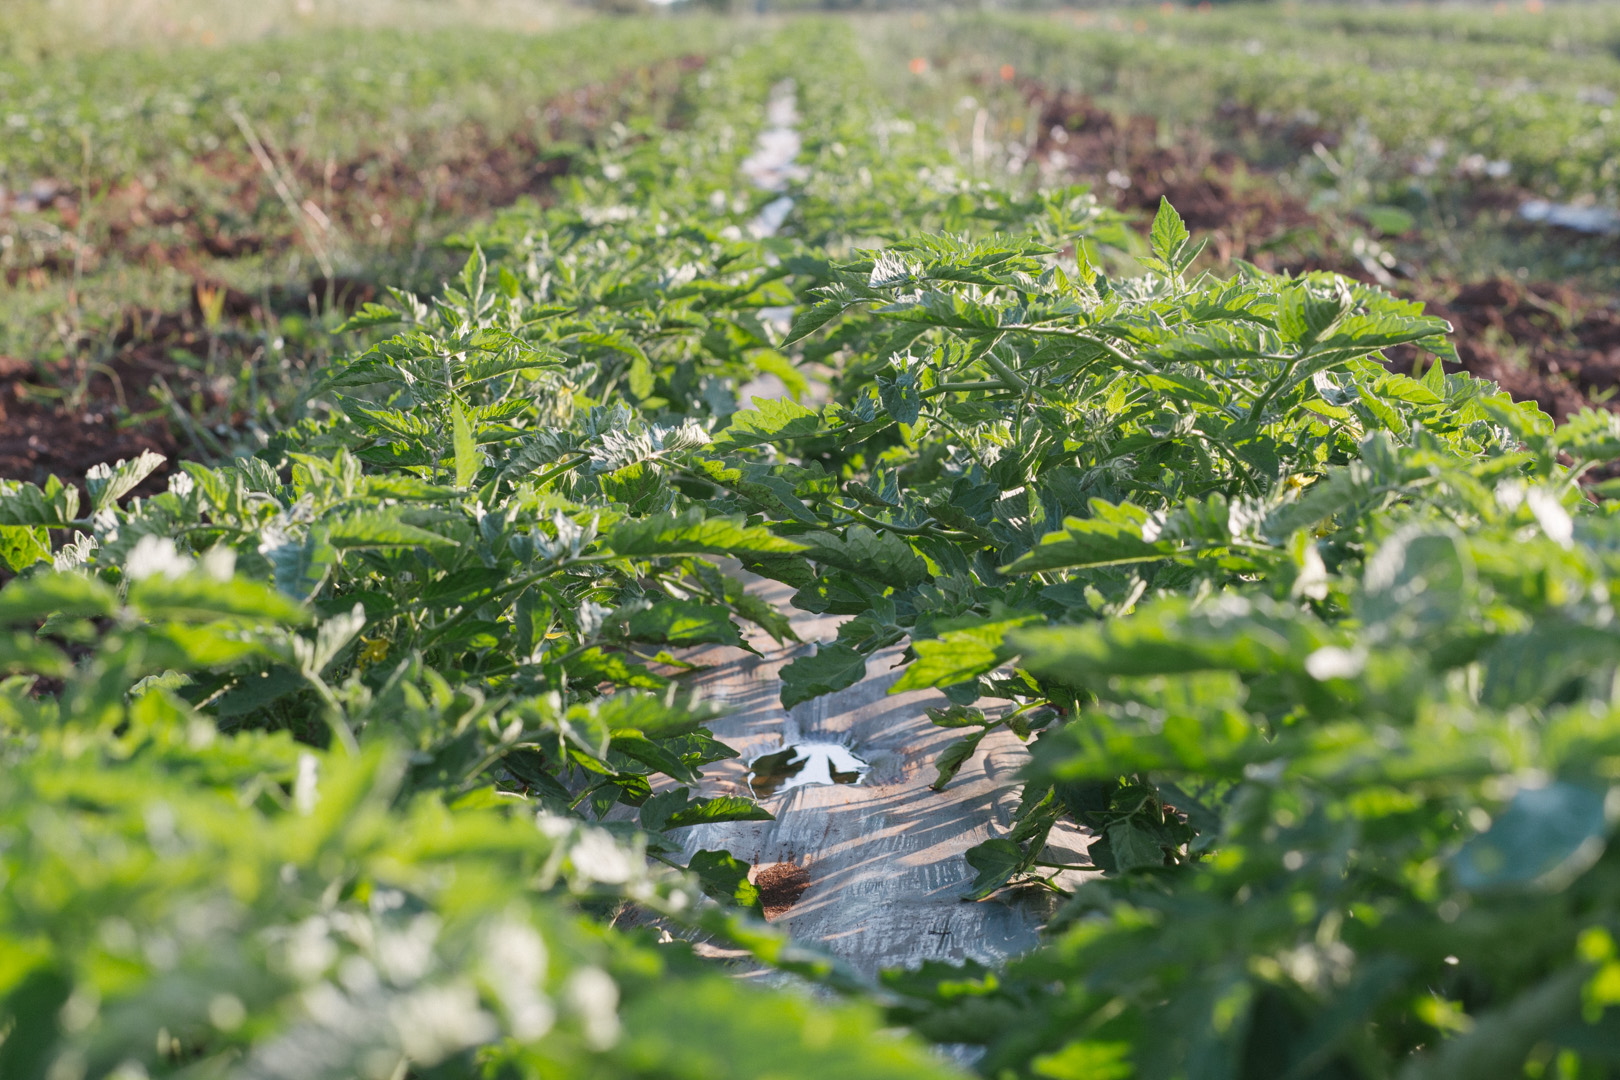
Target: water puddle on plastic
<point>802,765</point>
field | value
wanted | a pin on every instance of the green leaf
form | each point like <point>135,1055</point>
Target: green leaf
<point>813,318</point>
<point>725,878</point>
<point>197,648</point>
<point>24,504</point>
<point>684,622</point>
<point>756,609</point>
<point>198,598</point>
<point>300,566</point>
<point>1086,1059</point>
<point>956,755</point>
<point>956,716</point>
<point>715,1029</point>
<point>722,808</point>
<point>674,810</point>
<point>473,274</point>
<point>1166,637</point>
<point>769,421</point>
<point>1113,536</point>
<point>1419,579</point>
<point>1169,235</point>
<point>595,665</point>
<point>959,655</point>
<point>369,315</point>
<point>691,533</point>
<point>654,756</point>
<point>1546,837</point>
<point>28,600</point>
<point>881,556</point>
<point>1389,220</point>
<point>484,367</point>
<point>1591,434</point>
<point>1133,848</point>
<point>21,546</point>
<point>1209,345</point>
<point>649,715</point>
<point>381,528</point>
<point>901,397</point>
<point>1354,335</point>
<point>996,861</point>
<point>21,651</point>
<point>640,378</point>
<point>466,450</point>
<point>33,1003</point>
<point>949,309</point>
<point>657,809</point>
<point>109,483</point>
<point>833,667</point>
<point>332,636</point>
<point>1405,388</point>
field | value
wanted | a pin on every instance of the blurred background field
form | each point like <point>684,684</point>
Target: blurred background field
<point>193,193</point>
<point>55,25</point>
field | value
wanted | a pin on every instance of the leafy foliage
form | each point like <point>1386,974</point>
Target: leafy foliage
<point>360,752</point>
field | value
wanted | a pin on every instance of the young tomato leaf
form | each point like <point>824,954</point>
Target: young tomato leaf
<point>466,451</point>
<point>1169,235</point>
<point>21,546</point>
<point>684,622</point>
<point>725,878</point>
<point>692,533</point>
<point>996,861</point>
<point>954,757</point>
<point>959,655</point>
<point>833,667</point>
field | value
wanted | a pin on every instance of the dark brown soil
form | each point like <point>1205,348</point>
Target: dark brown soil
<point>1548,342</point>
<point>1542,341</point>
<point>780,886</point>
<point>43,431</point>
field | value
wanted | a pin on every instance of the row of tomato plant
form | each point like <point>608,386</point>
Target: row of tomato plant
<point>1432,90</point>
<point>347,758</point>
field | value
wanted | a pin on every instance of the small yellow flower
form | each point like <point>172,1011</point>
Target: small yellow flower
<point>373,651</point>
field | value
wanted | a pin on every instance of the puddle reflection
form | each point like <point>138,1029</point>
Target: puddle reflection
<point>804,764</point>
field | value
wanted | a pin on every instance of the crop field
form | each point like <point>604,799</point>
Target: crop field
<point>1072,544</point>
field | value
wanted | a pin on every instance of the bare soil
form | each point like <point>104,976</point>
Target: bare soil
<point>44,431</point>
<point>780,886</point>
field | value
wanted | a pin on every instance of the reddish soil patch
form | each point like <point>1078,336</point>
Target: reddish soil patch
<point>1545,342</point>
<point>780,886</point>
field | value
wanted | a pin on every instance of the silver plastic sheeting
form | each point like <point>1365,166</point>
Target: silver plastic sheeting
<point>880,862</point>
<point>1596,220</point>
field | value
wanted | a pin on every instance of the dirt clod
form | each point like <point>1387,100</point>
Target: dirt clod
<point>780,886</point>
